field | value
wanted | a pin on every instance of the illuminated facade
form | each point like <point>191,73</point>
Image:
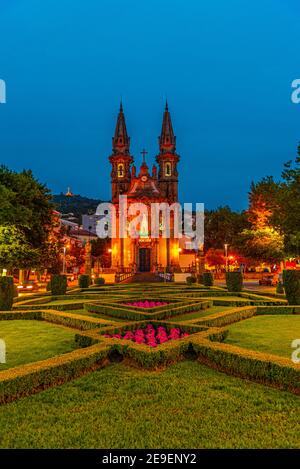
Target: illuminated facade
<point>144,253</point>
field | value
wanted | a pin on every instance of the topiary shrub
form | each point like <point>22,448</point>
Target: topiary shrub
<point>84,281</point>
<point>190,280</point>
<point>234,281</point>
<point>207,279</point>
<point>279,288</point>
<point>291,283</point>
<point>16,293</point>
<point>6,293</point>
<point>58,284</point>
<point>99,281</point>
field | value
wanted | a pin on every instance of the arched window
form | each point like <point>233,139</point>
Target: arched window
<point>168,169</point>
<point>120,170</point>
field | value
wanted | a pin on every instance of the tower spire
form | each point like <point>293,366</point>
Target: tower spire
<point>167,139</point>
<point>121,141</point>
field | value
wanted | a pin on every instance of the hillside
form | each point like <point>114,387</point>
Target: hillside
<point>76,204</point>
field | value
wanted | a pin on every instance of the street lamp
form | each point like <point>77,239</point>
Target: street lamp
<point>226,256</point>
<point>64,257</point>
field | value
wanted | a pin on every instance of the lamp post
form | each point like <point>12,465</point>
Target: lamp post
<point>64,258</point>
<point>226,256</point>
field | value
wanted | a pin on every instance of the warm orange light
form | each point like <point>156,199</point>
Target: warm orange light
<point>109,250</point>
<point>179,249</point>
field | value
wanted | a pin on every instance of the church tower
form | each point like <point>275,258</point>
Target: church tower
<point>120,159</point>
<point>167,160</point>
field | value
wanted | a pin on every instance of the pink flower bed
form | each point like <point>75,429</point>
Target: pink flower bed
<point>147,304</point>
<point>150,335</point>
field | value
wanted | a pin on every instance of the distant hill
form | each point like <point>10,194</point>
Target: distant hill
<point>76,204</point>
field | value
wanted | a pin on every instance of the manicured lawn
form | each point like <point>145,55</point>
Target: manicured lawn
<point>270,334</point>
<point>185,406</point>
<point>29,341</point>
<point>200,314</point>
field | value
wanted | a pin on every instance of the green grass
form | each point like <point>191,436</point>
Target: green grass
<point>270,334</point>
<point>200,314</point>
<point>186,406</point>
<point>30,341</point>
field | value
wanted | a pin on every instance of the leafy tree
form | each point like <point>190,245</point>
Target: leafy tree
<point>263,240</point>
<point>26,219</point>
<point>223,226</point>
<point>15,249</point>
<point>290,203</point>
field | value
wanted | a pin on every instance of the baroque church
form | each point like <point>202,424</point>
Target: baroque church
<point>144,253</point>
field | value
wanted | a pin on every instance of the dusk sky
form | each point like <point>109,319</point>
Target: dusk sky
<point>226,68</point>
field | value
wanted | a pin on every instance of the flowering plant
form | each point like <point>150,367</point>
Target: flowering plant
<point>150,335</point>
<point>147,304</point>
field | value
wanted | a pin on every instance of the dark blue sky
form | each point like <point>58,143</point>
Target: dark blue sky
<point>225,66</point>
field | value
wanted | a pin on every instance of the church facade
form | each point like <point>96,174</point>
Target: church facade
<point>144,253</point>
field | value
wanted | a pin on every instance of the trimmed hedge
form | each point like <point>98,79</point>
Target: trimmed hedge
<point>84,281</point>
<point>190,280</point>
<point>278,310</point>
<point>234,281</point>
<point>73,320</point>
<point>27,379</point>
<point>291,283</point>
<point>263,368</point>
<point>7,316</point>
<point>7,293</point>
<point>207,279</point>
<point>279,288</point>
<point>99,281</point>
<point>114,310</point>
<point>227,317</point>
<point>58,284</point>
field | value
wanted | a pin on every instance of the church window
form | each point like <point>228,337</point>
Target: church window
<point>168,169</point>
<point>120,170</point>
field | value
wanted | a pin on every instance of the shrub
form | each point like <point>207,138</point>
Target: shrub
<point>279,288</point>
<point>23,381</point>
<point>84,281</point>
<point>228,317</point>
<point>58,284</point>
<point>249,364</point>
<point>190,280</point>
<point>234,281</point>
<point>99,281</point>
<point>6,293</point>
<point>48,286</point>
<point>291,283</point>
<point>207,279</point>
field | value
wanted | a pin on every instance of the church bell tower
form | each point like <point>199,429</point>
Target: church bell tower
<point>167,160</point>
<point>120,159</point>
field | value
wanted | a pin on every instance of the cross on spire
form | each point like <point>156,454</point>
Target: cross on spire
<point>144,153</point>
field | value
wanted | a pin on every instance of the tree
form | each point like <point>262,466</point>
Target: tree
<point>263,241</point>
<point>26,219</point>
<point>15,249</point>
<point>215,258</point>
<point>290,204</point>
<point>223,226</point>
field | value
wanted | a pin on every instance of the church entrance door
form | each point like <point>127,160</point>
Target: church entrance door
<point>144,259</point>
